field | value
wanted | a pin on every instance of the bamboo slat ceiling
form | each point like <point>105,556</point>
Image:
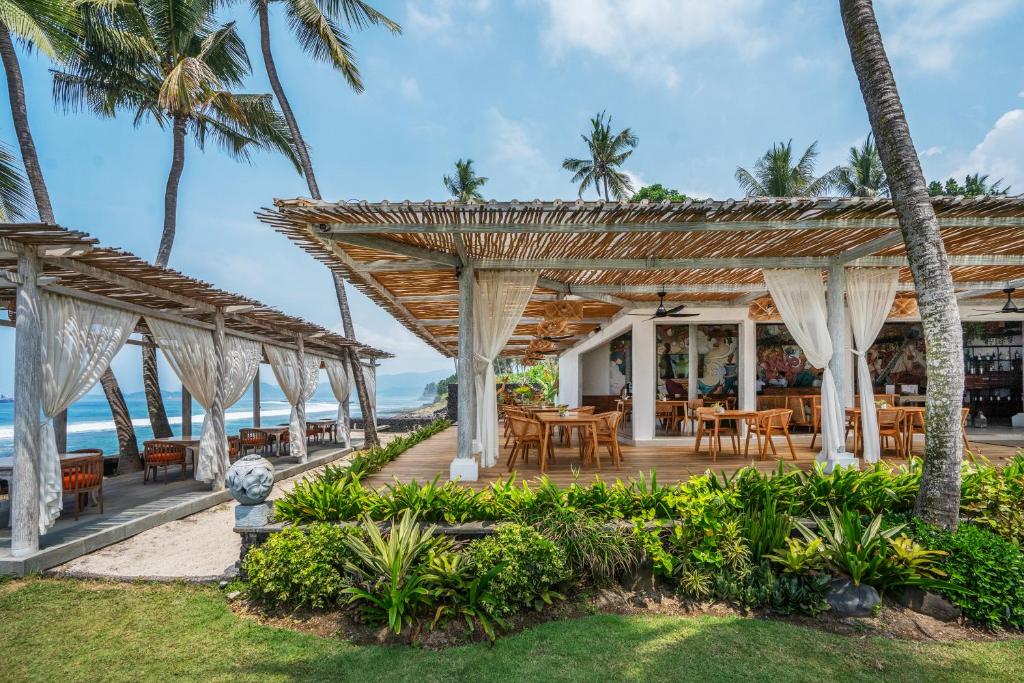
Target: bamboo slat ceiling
<point>403,255</point>
<point>74,260</point>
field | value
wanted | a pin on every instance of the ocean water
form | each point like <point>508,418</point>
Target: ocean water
<point>90,424</point>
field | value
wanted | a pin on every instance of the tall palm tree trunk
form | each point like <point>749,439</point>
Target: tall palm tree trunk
<point>127,442</point>
<point>938,501</point>
<point>367,409</point>
<point>150,372</point>
<point>30,158</point>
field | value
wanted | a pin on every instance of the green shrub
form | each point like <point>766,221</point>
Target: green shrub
<point>765,527</point>
<point>300,568</point>
<point>594,549</point>
<point>393,576</point>
<point>994,497</point>
<point>531,567</point>
<point>987,570</point>
<point>763,588</point>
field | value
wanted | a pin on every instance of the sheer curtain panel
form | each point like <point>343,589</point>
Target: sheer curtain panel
<point>799,296</point>
<point>499,298</point>
<point>869,295</point>
<point>79,341</point>
<point>341,384</point>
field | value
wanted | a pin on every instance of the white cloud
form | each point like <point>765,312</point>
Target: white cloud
<point>930,33</point>
<point>932,151</point>
<point>635,179</point>
<point>648,38</point>
<point>409,88</point>
<point>1001,153</point>
<point>440,19</point>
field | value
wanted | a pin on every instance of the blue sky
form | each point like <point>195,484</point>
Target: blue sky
<point>706,85</point>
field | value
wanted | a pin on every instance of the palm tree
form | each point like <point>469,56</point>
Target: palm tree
<point>316,24</point>
<point>864,176</point>
<point>608,151</point>
<point>168,60</point>
<point>938,500</point>
<point>48,27</point>
<point>465,185</point>
<point>776,175</point>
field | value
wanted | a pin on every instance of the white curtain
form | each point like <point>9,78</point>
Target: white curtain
<point>191,353</point>
<point>370,381</point>
<point>869,294</point>
<point>298,381</point>
<point>499,298</point>
<point>79,341</point>
<point>799,296</point>
<point>341,385</point>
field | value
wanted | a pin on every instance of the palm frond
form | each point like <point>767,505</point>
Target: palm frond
<point>45,25</point>
<point>749,184</point>
<point>359,14</point>
<point>16,203</point>
<point>319,35</point>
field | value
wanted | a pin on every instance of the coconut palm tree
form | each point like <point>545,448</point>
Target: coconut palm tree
<point>776,174</point>
<point>317,28</point>
<point>864,176</point>
<point>608,152</point>
<point>48,26</point>
<point>938,499</point>
<point>169,61</point>
<point>465,184</point>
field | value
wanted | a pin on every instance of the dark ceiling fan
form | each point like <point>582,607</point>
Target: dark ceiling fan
<point>1009,306</point>
<point>662,312</point>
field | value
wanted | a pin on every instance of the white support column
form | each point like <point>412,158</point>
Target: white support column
<point>835,302</point>
<point>465,466</point>
<point>300,409</point>
<point>28,396</point>
<point>569,378</point>
<point>748,365</point>
<point>217,407</point>
<point>256,398</point>
<point>186,413</point>
<point>693,367</point>
<point>645,383</point>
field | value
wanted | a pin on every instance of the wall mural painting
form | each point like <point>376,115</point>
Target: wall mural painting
<point>620,371</point>
<point>673,359</point>
<point>898,357</point>
<point>781,363</point>
<point>717,360</point>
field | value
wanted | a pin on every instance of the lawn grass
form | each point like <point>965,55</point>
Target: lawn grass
<point>71,631</point>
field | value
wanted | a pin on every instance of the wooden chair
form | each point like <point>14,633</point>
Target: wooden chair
<point>233,447</point>
<point>507,411</point>
<point>83,476</point>
<point>679,417</point>
<point>663,413</point>
<point>607,436</point>
<point>913,423</point>
<point>525,433</point>
<point>705,418</point>
<point>252,438</point>
<point>692,406</point>
<point>815,419</point>
<point>765,425</point>
<point>964,414</point>
<point>565,431</point>
<point>890,426</point>
<point>162,454</point>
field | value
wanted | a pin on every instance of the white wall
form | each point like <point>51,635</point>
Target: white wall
<point>594,371</point>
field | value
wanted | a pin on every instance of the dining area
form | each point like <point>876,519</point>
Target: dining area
<point>543,429</point>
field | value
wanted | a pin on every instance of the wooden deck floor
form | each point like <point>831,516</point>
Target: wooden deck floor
<point>672,461</point>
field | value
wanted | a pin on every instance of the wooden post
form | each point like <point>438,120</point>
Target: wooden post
<point>300,407</point>
<point>217,408</point>
<point>60,430</point>
<point>186,413</point>
<point>256,398</point>
<point>28,395</point>
<point>464,466</point>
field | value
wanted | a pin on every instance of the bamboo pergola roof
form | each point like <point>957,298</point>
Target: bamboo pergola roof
<point>75,264</point>
<point>618,255</point>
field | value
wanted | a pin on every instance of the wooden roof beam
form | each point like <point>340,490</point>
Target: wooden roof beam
<point>128,283</point>
<point>392,266</point>
<point>725,263</point>
<point>390,246</point>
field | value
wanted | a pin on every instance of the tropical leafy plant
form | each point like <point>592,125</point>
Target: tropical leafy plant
<point>465,185</point>
<point>394,576</point>
<point>779,174</point>
<point>607,152</point>
<point>994,497</point>
<point>765,527</point>
<point>658,193</point>
<point>466,595</point>
<point>594,549</point>
<point>974,185</point>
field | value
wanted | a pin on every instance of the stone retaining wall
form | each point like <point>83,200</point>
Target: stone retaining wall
<point>396,424</point>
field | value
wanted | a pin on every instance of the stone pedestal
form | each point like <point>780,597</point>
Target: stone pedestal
<point>464,469</point>
<point>250,516</point>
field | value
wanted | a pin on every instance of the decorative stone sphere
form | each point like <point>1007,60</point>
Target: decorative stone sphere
<point>250,479</point>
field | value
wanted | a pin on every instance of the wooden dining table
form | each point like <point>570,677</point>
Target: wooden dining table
<point>548,420</point>
<point>275,433</point>
<point>326,426</point>
<point>908,413</point>
<point>715,446</point>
